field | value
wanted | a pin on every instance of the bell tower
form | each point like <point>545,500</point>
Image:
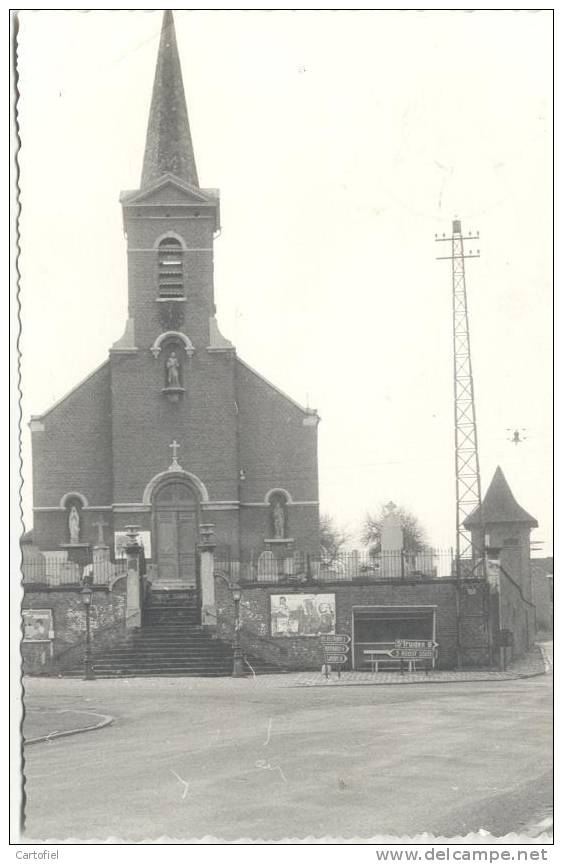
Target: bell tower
<point>172,373</point>
<point>170,222</point>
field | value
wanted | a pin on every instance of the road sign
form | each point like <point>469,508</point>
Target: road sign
<point>412,653</point>
<point>335,658</point>
<point>415,643</point>
<point>342,638</point>
<point>335,646</point>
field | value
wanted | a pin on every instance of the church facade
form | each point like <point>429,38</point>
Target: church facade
<point>176,441</point>
<point>174,431</point>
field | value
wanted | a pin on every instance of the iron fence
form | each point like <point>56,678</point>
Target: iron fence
<point>54,569</point>
<point>271,567</point>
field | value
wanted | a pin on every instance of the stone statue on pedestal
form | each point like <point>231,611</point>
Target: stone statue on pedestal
<point>74,525</point>
<point>173,371</point>
<point>279,520</point>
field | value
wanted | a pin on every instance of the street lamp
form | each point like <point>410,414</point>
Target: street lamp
<point>238,662</point>
<point>86,595</point>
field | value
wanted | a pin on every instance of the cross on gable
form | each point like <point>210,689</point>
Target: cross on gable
<point>100,525</point>
<point>390,507</point>
<point>175,466</point>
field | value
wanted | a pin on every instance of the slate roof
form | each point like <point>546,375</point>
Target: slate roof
<point>168,148</point>
<point>499,505</point>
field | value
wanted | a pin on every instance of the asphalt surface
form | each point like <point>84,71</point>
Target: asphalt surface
<point>228,759</point>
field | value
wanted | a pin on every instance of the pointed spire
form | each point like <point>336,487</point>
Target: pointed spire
<point>499,505</point>
<point>169,143</point>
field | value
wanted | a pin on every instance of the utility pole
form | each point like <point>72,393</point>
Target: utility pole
<point>467,476</point>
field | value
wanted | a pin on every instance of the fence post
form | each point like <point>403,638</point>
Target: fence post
<point>133,553</point>
<point>206,548</point>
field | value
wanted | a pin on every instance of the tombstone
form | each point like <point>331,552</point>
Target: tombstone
<point>288,565</point>
<point>267,567</point>
<point>391,544</point>
<point>70,573</point>
<point>102,568</point>
<point>424,563</point>
<point>34,565</point>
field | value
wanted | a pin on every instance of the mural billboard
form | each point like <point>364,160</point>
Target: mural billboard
<point>302,614</point>
<point>37,625</point>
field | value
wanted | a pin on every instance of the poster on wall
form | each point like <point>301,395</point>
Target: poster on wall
<point>120,541</point>
<point>37,625</point>
<point>302,614</point>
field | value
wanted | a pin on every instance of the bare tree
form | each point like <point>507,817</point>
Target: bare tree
<point>332,538</point>
<point>414,534</point>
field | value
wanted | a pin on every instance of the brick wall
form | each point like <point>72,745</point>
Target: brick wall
<point>142,233</point>
<point>73,453</point>
<point>515,614</point>
<point>110,437</point>
<point>203,421</point>
<point>542,594</point>
<point>67,651</point>
<point>305,652</point>
<point>276,448</point>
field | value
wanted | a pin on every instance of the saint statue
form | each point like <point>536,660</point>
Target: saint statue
<point>74,524</point>
<point>279,520</point>
<point>173,371</point>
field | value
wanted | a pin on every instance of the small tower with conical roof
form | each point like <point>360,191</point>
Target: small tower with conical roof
<point>500,523</point>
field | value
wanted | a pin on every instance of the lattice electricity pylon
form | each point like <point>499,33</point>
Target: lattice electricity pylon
<point>467,476</point>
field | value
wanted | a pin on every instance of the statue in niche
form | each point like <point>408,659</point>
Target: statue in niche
<point>278,517</point>
<point>173,371</point>
<point>74,524</point>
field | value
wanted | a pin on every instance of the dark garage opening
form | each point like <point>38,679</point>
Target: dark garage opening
<point>377,627</point>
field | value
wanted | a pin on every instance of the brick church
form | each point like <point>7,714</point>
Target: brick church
<point>217,470</point>
<point>174,431</point>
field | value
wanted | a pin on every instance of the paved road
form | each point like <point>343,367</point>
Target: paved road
<point>233,759</point>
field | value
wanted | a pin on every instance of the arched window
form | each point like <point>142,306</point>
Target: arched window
<point>170,268</point>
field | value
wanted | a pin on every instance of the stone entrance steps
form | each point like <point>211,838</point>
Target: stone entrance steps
<point>171,642</point>
<point>190,652</point>
<point>169,606</point>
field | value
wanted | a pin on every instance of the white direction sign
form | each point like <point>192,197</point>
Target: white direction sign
<point>335,658</point>
<point>335,646</point>
<point>415,643</point>
<point>341,638</point>
<point>412,653</point>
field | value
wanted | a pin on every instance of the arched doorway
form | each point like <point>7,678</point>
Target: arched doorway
<point>175,514</point>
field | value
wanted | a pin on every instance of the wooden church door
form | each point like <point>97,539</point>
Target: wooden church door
<point>176,533</point>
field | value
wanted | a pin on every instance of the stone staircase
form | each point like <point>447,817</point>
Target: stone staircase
<point>171,642</point>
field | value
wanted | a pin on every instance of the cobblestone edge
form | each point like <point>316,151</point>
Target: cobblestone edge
<point>107,720</point>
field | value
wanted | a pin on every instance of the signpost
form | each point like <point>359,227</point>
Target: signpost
<point>335,658</point>
<point>415,643</point>
<point>409,650</point>
<point>412,653</point>
<point>335,648</point>
<point>414,649</point>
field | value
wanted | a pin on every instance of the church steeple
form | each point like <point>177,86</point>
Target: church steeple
<point>168,148</point>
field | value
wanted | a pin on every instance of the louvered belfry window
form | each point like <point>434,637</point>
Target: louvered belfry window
<point>170,268</point>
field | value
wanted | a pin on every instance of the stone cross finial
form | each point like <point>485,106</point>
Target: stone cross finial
<point>100,526</point>
<point>390,507</point>
<point>175,466</point>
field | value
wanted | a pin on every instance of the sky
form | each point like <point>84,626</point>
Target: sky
<point>342,142</point>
